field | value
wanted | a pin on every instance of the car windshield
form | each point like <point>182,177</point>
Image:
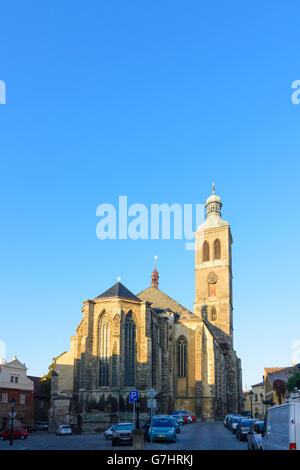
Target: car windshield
<point>123,427</point>
<point>235,420</point>
<point>159,423</point>
<point>66,427</point>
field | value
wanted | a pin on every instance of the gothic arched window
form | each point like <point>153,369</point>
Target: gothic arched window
<point>182,357</point>
<point>213,313</point>
<point>129,351</point>
<point>104,334</point>
<point>205,251</point>
<point>217,249</point>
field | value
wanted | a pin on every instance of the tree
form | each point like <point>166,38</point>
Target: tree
<point>280,387</point>
<point>293,382</point>
<point>45,382</point>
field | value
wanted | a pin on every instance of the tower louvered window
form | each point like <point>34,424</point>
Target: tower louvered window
<point>217,249</point>
<point>205,251</point>
<point>129,358</point>
<point>104,336</point>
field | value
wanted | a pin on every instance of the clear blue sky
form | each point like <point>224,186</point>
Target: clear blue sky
<point>153,100</point>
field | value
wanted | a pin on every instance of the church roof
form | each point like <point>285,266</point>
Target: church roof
<point>161,301</point>
<point>118,290</point>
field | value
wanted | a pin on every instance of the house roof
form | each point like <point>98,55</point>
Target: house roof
<point>260,384</point>
<point>120,291</point>
<point>161,301</point>
<point>282,373</point>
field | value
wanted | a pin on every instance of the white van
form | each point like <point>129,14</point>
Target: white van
<point>282,428</point>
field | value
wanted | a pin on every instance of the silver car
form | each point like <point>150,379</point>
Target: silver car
<point>254,436</point>
<point>63,430</point>
<point>122,433</point>
<point>108,433</point>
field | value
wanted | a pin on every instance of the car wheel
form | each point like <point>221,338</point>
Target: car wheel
<point>1,438</point>
<point>22,437</point>
<point>108,437</point>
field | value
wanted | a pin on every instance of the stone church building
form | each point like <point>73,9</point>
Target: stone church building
<point>129,341</point>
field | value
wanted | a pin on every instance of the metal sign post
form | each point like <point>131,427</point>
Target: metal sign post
<point>133,397</point>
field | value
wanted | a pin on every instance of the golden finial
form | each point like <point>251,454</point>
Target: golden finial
<point>213,188</point>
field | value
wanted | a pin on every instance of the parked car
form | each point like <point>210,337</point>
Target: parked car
<point>282,428</point>
<point>233,422</point>
<point>179,419</point>
<point>162,429</point>
<point>254,436</point>
<point>122,433</point>
<point>18,433</point>
<point>243,427</point>
<point>108,433</point>
<point>29,428</point>
<point>41,425</point>
<point>182,415</point>
<point>177,424</point>
<point>227,417</point>
<point>63,430</point>
<point>191,417</point>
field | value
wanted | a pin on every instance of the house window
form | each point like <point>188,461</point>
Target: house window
<point>255,397</point>
<point>217,249</point>
<point>16,380</point>
<point>205,256</point>
<point>11,379</point>
<point>4,398</point>
<point>182,357</point>
<point>104,334</point>
<point>129,350</point>
<point>22,399</point>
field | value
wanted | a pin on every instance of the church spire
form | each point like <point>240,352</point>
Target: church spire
<point>213,204</point>
<point>155,276</point>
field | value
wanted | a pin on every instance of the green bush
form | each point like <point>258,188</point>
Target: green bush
<point>293,382</point>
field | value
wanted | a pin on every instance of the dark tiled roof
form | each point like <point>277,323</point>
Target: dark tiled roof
<point>161,301</point>
<point>36,382</point>
<point>258,385</point>
<point>118,290</point>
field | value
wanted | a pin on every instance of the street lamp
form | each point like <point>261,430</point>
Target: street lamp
<point>13,404</point>
<point>137,406</point>
<point>251,399</point>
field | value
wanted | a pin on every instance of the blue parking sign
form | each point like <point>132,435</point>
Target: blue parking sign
<point>133,396</point>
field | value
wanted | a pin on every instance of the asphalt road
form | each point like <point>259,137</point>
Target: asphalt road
<point>203,436</point>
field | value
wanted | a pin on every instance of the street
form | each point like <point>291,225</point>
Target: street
<point>202,436</point>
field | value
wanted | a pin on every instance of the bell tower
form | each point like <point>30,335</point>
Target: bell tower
<point>213,269</point>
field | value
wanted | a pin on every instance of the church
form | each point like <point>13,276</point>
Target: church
<point>148,340</point>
